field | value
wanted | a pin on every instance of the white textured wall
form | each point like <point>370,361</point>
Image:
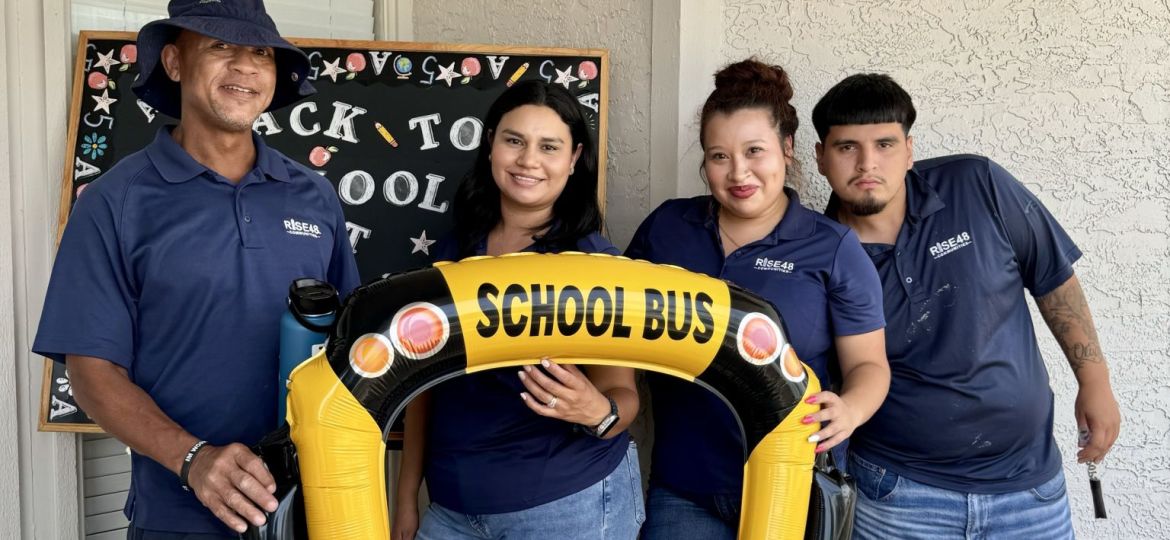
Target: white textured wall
<point>1073,97</point>
<point>622,26</point>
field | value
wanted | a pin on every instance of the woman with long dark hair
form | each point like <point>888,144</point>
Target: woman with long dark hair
<point>539,452</point>
<point>752,230</point>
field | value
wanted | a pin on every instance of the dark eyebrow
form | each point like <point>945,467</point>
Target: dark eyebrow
<point>843,142</point>
<point>888,140</point>
<point>513,133</point>
<point>552,140</point>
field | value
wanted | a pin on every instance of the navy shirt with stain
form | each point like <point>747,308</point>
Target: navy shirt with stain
<point>488,453</point>
<point>969,407</point>
<point>180,276</point>
<point>812,269</point>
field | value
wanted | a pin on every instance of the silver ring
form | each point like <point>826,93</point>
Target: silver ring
<point>552,403</point>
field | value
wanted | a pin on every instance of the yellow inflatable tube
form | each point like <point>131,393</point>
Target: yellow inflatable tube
<point>401,335</point>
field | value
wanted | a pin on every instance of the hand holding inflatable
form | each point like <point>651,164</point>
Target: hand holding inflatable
<point>568,395</point>
<point>233,483</point>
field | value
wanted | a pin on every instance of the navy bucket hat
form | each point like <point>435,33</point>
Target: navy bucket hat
<point>239,22</point>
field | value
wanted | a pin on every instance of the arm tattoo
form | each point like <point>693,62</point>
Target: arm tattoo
<point>1067,313</point>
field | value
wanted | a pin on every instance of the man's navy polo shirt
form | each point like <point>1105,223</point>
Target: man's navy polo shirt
<point>969,407</point>
<point>488,453</point>
<point>811,268</point>
<point>180,276</point>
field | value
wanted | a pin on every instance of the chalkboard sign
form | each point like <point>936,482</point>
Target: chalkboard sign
<point>393,125</point>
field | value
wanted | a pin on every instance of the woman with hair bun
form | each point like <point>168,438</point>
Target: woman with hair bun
<point>752,230</point>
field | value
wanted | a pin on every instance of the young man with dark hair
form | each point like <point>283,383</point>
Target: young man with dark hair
<point>963,444</point>
<point>172,274</point>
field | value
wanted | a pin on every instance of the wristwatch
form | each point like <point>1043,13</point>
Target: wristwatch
<point>607,423</point>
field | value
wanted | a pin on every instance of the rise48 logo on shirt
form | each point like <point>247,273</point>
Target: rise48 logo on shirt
<point>773,265</point>
<point>950,245</point>
<point>302,228</point>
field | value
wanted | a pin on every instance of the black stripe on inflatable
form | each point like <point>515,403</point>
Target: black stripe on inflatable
<point>761,396</point>
<point>370,309</point>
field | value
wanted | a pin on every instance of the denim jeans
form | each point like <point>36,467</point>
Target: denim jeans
<point>893,506</point>
<point>611,509</point>
<point>671,516</point>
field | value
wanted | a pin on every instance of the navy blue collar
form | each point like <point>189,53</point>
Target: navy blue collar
<point>177,166</point>
<point>798,222</point>
<point>921,199</point>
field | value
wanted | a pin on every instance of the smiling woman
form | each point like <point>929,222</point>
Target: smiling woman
<point>533,188</point>
<point>752,230</point>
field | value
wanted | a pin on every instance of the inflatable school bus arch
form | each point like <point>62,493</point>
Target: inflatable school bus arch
<point>397,337</point>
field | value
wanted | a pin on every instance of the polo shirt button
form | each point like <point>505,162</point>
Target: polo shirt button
<point>909,280</point>
<point>247,219</point>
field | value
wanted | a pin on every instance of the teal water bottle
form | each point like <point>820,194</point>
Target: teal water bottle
<point>312,305</point>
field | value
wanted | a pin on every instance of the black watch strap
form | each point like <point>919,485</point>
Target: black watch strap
<point>607,423</point>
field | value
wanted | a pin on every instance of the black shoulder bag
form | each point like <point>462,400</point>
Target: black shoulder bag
<point>831,505</point>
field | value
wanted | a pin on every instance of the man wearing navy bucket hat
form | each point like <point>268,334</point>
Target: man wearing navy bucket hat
<point>170,279</point>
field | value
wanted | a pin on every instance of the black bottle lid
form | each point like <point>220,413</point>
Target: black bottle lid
<point>310,297</point>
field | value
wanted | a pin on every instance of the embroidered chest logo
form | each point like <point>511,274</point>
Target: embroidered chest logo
<point>302,228</point>
<point>950,245</point>
<point>773,265</point>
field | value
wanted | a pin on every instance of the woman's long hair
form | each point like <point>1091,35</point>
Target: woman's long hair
<point>576,212</point>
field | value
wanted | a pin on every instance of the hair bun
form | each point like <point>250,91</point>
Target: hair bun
<point>753,76</point>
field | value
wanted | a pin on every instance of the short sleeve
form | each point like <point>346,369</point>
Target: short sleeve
<point>343,271</point>
<point>595,243</point>
<point>639,247</point>
<point>1044,251</point>
<point>90,306</point>
<point>855,291</point>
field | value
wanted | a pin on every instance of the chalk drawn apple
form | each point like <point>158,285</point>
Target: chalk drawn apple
<point>321,155</point>
<point>97,80</point>
<point>128,55</point>
<point>587,71</point>
<point>354,63</point>
<point>469,68</point>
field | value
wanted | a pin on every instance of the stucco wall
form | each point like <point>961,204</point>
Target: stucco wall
<point>622,26</point>
<point>1073,97</point>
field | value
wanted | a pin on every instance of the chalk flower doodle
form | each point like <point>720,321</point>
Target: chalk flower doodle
<point>93,145</point>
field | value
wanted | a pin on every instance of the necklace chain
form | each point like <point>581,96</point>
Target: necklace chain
<point>728,236</point>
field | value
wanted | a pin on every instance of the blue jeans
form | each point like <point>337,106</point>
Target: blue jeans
<point>611,509</point>
<point>671,516</point>
<point>893,506</point>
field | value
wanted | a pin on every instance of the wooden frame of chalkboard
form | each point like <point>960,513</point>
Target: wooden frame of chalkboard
<point>365,146</point>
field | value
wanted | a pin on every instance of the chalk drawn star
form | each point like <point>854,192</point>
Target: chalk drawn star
<point>106,61</point>
<point>565,77</point>
<point>422,244</point>
<point>103,102</point>
<point>448,73</point>
<point>333,69</point>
